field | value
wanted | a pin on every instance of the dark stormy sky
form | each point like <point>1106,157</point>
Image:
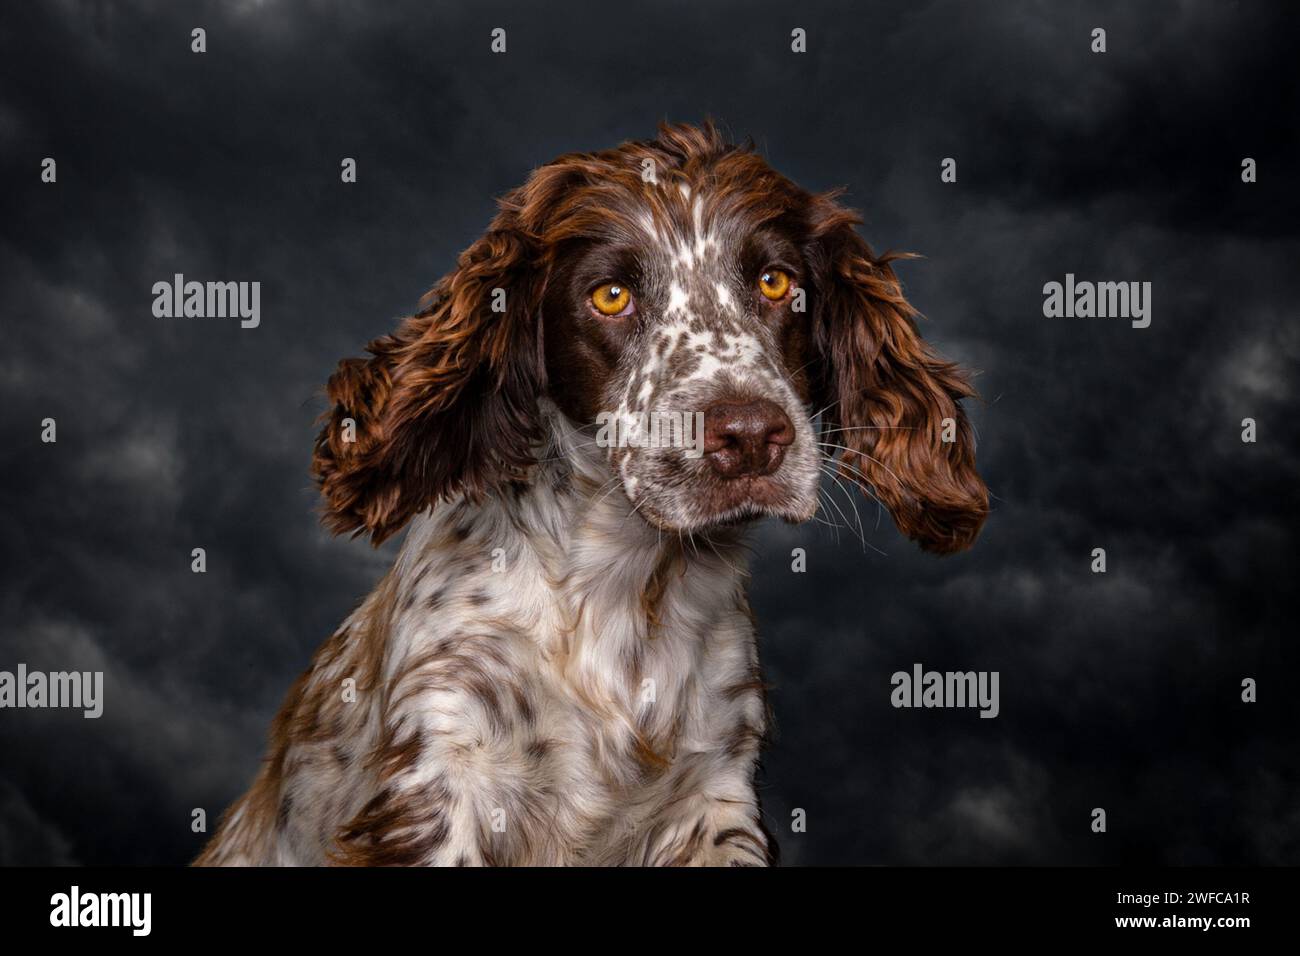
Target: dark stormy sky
<point>1119,691</point>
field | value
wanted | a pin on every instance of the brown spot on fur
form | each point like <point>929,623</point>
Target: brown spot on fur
<point>538,749</point>
<point>393,756</point>
<point>285,809</point>
<point>671,564</point>
<point>743,738</point>
<point>523,705</point>
<point>396,829</point>
<point>741,688</point>
<point>744,839</point>
<point>651,761</point>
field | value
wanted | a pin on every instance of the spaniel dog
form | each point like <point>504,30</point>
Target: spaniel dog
<point>560,668</point>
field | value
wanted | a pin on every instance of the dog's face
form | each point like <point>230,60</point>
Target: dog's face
<point>679,332</point>
<point>697,316</point>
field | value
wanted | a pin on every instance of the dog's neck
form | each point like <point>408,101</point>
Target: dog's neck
<point>622,609</point>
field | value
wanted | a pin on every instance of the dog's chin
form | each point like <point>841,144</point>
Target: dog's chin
<point>738,504</point>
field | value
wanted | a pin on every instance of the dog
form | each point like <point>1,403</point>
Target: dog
<point>561,667</point>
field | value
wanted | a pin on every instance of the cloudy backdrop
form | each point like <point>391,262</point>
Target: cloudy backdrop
<point>1119,690</point>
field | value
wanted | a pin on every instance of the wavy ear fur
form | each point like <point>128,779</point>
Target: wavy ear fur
<point>890,394</point>
<point>447,403</point>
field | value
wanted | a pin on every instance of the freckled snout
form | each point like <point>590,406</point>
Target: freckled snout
<point>746,439</point>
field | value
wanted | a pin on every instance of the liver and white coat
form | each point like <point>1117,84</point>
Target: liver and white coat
<point>561,667</point>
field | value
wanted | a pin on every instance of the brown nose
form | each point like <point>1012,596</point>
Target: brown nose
<point>746,439</point>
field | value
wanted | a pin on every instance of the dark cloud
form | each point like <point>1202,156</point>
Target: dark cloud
<point>1120,691</point>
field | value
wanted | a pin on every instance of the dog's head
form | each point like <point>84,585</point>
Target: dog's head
<point>698,316</point>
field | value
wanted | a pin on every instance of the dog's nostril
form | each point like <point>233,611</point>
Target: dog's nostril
<point>746,439</point>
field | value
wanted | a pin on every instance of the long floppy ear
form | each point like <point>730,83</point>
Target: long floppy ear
<point>448,403</point>
<point>894,400</point>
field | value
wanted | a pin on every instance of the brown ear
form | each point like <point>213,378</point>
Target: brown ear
<point>890,395</point>
<point>448,403</point>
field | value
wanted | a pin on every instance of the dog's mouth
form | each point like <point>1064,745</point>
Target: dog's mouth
<point>745,499</point>
<point>730,504</point>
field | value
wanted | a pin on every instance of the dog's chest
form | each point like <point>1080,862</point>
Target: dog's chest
<point>598,692</point>
<point>616,750</point>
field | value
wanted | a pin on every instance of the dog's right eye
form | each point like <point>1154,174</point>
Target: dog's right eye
<point>774,284</point>
<point>612,299</point>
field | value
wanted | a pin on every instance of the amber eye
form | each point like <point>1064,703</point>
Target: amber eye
<point>774,284</point>
<point>613,298</point>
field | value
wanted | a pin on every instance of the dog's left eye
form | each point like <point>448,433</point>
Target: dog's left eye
<point>612,299</point>
<point>774,284</point>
